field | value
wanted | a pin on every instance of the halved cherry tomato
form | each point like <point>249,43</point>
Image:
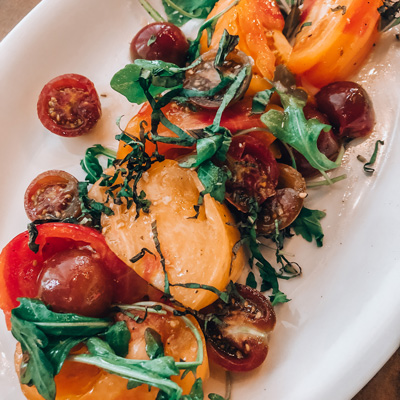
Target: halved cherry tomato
<point>69,105</point>
<point>235,118</point>
<point>20,267</point>
<point>254,171</point>
<point>285,205</point>
<point>240,342</point>
<point>205,76</point>
<point>52,195</point>
<point>333,40</point>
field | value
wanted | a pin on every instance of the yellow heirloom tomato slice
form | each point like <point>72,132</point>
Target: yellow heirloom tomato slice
<point>195,249</point>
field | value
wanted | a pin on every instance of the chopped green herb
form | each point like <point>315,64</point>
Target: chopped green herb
<point>307,225</point>
<point>33,234</point>
<point>367,166</point>
<point>338,8</point>
<point>390,15</point>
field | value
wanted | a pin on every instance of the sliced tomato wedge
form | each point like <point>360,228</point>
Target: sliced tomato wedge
<point>20,266</point>
<point>240,342</point>
<point>334,40</point>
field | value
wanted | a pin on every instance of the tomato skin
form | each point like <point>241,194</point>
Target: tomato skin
<point>169,43</point>
<point>348,108</point>
<point>240,343</point>
<point>73,100</point>
<point>76,281</point>
<point>52,195</point>
<point>20,266</point>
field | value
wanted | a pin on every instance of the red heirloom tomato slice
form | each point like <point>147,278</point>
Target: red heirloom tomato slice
<point>254,171</point>
<point>240,342</point>
<point>69,105</point>
<point>52,195</point>
<point>235,118</point>
<point>20,267</point>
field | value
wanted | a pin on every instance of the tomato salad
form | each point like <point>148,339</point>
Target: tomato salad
<point>127,283</point>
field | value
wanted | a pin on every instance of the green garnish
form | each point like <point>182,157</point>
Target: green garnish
<point>181,11</point>
<point>367,165</point>
<point>307,225</point>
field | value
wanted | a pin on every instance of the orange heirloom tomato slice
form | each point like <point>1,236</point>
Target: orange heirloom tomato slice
<point>196,249</point>
<point>337,40</point>
<point>259,24</point>
<point>78,381</point>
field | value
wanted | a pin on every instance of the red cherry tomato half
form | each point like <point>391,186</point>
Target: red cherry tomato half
<point>69,105</point>
<point>52,195</point>
<point>254,171</point>
<point>160,41</point>
<point>20,267</point>
<point>240,342</point>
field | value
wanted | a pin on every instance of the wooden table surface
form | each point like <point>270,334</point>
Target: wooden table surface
<point>386,383</point>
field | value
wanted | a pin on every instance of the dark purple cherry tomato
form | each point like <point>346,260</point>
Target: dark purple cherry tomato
<point>348,108</point>
<point>69,105</point>
<point>160,41</point>
<point>286,204</point>
<point>52,195</point>
<point>240,342</point>
<point>204,77</point>
<point>328,144</point>
<point>76,281</point>
<point>254,172</point>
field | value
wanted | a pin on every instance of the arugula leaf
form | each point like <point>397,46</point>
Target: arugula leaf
<point>251,280</point>
<point>307,225</point>
<point>37,370</point>
<point>213,179</point>
<point>196,393</point>
<point>57,324</point>
<point>154,344</point>
<point>161,74</point>
<point>118,337</point>
<point>278,297</point>
<point>292,128</point>
<point>181,11</point>
<point>261,100</point>
<point>91,165</point>
<point>58,350</point>
<point>155,372</point>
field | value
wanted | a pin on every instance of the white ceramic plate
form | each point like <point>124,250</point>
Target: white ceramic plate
<point>344,320</point>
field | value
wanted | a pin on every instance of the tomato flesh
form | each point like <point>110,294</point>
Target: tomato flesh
<point>69,105</point>
<point>52,195</point>
<point>254,171</point>
<point>240,342</point>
